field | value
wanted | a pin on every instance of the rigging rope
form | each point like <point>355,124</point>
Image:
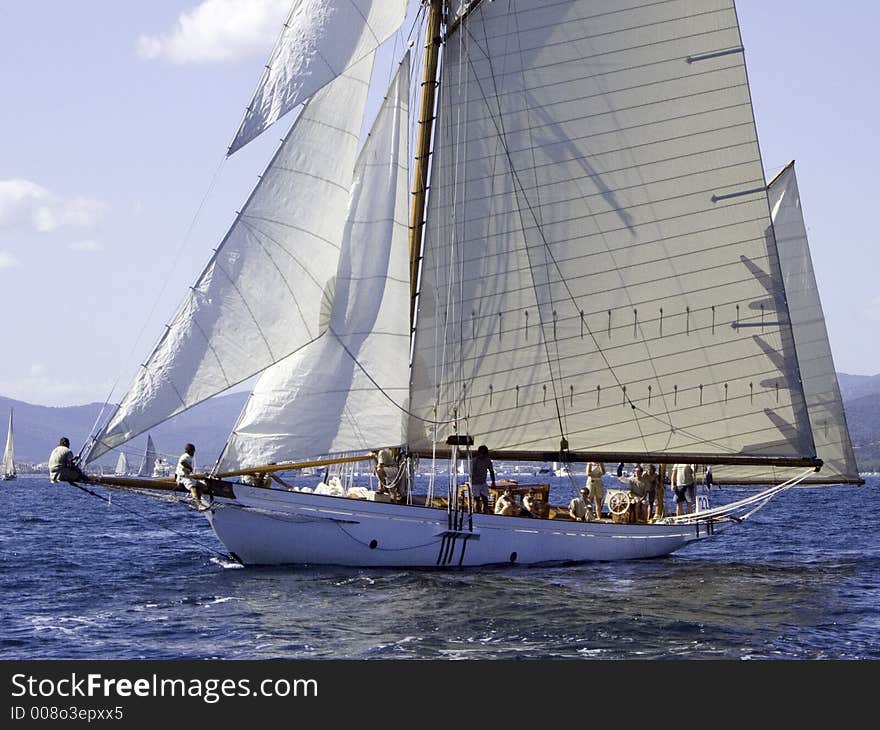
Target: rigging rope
<point>225,556</point>
<point>502,137</point>
<point>760,500</point>
<point>92,440</point>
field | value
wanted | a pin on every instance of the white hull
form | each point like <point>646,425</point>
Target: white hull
<point>274,527</point>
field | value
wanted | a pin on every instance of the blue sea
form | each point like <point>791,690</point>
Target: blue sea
<point>141,578</point>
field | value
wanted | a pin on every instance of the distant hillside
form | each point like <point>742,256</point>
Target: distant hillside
<point>38,428</point>
<point>863,421</point>
<point>856,386</point>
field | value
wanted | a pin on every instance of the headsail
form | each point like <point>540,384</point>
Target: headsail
<point>320,40</point>
<point>349,389</point>
<point>822,390</point>
<point>599,261</point>
<point>148,462</point>
<point>260,297</point>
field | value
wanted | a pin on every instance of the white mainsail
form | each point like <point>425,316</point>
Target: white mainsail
<point>824,403</point>
<point>599,262</point>
<point>148,461</point>
<point>321,39</point>
<point>121,464</point>
<point>349,389</point>
<point>260,297</point>
<point>8,454</point>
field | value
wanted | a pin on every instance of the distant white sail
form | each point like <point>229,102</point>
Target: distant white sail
<point>822,390</point>
<point>321,39</point>
<point>8,454</point>
<point>348,390</point>
<point>121,465</point>
<point>599,260</point>
<point>149,459</point>
<point>260,297</point>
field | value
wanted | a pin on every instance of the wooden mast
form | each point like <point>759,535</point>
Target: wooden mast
<point>423,146</point>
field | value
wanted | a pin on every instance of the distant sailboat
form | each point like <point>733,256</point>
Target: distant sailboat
<point>562,470</point>
<point>161,468</point>
<point>148,463</point>
<point>121,465</point>
<point>8,457</point>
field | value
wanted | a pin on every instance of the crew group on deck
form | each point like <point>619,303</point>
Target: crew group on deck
<point>645,495</point>
<point>645,492</point>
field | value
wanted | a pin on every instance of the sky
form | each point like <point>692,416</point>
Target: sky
<point>114,187</point>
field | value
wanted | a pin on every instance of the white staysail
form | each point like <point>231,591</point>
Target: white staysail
<point>121,465</point>
<point>260,297</point>
<point>148,461</point>
<point>348,390</point>
<point>321,39</point>
<point>599,260</point>
<point>8,454</point>
<point>822,390</point>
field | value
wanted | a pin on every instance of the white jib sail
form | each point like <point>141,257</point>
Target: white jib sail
<point>348,390</point>
<point>259,298</point>
<point>825,406</point>
<point>320,40</point>
<point>599,258</point>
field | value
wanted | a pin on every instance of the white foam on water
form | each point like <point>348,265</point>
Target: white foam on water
<point>226,564</point>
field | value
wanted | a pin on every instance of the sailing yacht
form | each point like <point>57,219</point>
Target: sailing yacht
<point>148,461</point>
<point>121,465</point>
<point>8,454</point>
<point>571,258</point>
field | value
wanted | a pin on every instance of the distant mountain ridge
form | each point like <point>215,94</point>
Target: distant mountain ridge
<point>37,428</point>
<point>856,386</point>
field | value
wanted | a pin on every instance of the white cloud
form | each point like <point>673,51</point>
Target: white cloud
<point>7,260</point>
<point>26,203</point>
<point>85,246</point>
<point>218,30</point>
<point>873,310</point>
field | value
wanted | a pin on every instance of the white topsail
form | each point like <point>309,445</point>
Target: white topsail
<point>822,390</point>
<point>599,259</point>
<point>348,390</point>
<point>321,39</point>
<point>260,297</point>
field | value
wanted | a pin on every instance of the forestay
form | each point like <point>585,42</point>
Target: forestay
<point>349,389</point>
<point>599,259</point>
<point>821,388</point>
<point>260,297</point>
<point>320,40</point>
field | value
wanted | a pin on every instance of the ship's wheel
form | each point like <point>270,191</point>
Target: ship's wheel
<point>619,503</point>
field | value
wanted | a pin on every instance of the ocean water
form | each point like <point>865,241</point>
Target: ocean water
<point>145,579</point>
